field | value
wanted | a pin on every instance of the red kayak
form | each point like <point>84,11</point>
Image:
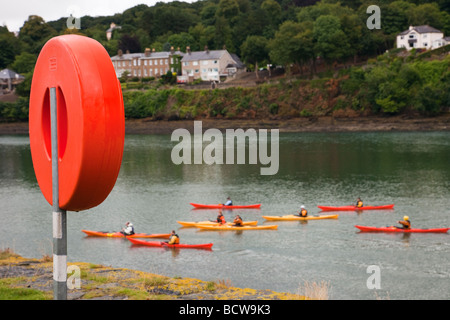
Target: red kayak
<point>394,229</point>
<point>116,234</point>
<point>166,245</point>
<point>221,206</point>
<point>354,208</point>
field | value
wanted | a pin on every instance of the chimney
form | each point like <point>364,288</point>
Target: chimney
<point>153,50</point>
<point>147,52</point>
<point>206,49</point>
<point>188,50</point>
<point>411,27</point>
<point>120,53</point>
<point>172,50</point>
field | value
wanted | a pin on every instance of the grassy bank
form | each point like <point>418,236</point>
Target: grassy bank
<point>31,279</point>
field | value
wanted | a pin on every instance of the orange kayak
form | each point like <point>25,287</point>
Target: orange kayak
<point>117,234</point>
<point>165,244</point>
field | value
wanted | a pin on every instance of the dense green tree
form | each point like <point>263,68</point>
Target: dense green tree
<point>331,43</point>
<point>254,50</point>
<point>24,62</point>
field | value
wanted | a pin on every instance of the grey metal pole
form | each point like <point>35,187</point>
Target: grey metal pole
<point>59,215</point>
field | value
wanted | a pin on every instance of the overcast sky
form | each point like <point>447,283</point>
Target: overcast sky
<point>13,13</point>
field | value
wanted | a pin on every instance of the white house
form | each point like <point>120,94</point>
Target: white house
<point>207,65</point>
<point>423,37</point>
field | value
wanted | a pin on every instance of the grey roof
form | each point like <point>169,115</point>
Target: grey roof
<point>9,74</point>
<point>421,29</point>
<point>127,56</point>
<point>153,55</point>
<point>203,55</point>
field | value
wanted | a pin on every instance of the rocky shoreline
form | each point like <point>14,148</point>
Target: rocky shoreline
<point>98,282</point>
<point>304,124</point>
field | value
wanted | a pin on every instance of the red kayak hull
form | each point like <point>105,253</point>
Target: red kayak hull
<point>120,235</point>
<point>166,245</point>
<point>355,208</point>
<point>393,229</point>
<point>221,206</point>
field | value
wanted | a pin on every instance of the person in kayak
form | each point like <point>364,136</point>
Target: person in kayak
<point>405,223</point>
<point>303,212</point>
<point>359,203</point>
<point>238,221</point>
<point>174,238</point>
<point>229,202</point>
<point>128,230</point>
<point>220,218</point>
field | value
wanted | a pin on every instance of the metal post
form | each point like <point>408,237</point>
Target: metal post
<point>59,215</point>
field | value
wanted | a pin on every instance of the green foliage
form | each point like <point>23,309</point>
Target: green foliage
<point>14,111</point>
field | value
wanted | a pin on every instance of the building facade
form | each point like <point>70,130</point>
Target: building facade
<point>421,37</point>
<point>147,64</point>
<point>208,65</point>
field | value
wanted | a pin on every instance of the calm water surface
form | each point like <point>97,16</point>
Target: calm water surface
<point>409,169</point>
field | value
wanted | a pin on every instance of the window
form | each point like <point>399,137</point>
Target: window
<point>425,44</point>
<point>185,63</point>
<point>205,62</point>
<point>150,62</point>
<point>195,63</point>
<point>215,61</point>
<point>156,62</point>
<point>145,62</point>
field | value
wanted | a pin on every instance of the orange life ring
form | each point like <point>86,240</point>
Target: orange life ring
<point>91,121</point>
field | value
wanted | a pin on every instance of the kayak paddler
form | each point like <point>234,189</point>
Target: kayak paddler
<point>128,230</point>
<point>229,202</point>
<point>405,223</point>
<point>238,221</point>
<point>303,212</point>
<point>221,218</point>
<point>359,203</point>
<point>174,238</point>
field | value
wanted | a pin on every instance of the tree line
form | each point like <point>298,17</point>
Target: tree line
<point>282,32</point>
<point>291,33</point>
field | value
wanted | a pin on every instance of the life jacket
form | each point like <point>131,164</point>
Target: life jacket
<point>174,239</point>
<point>238,222</point>
<point>221,219</point>
<point>303,213</point>
<point>406,224</point>
<point>359,204</point>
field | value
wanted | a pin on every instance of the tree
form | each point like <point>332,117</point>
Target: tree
<point>292,44</point>
<point>35,32</point>
<point>330,41</point>
<point>130,43</point>
<point>24,62</point>
<point>254,50</point>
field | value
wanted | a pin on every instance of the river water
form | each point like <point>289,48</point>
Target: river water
<point>410,170</point>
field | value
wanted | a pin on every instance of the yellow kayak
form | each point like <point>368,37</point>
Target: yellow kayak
<point>213,223</point>
<point>226,227</point>
<point>292,217</point>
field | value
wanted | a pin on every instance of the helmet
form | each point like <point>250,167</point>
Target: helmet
<point>302,207</point>
<point>405,218</point>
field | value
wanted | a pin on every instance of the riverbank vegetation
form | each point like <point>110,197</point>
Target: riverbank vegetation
<point>335,65</point>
